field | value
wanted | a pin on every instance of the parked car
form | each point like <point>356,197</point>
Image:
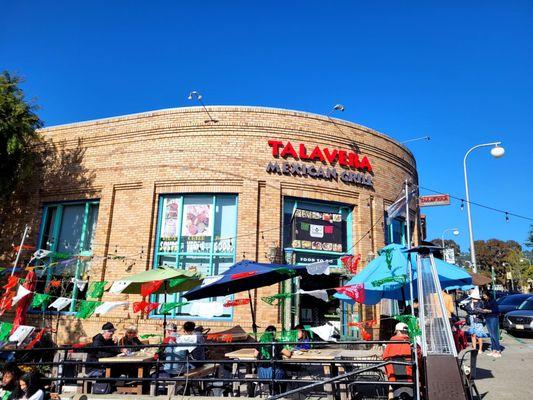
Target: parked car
<point>510,303</point>
<point>520,320</point>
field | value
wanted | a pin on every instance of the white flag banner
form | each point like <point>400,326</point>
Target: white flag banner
<point>318,268</point>
<point>21,333</point>
<point>207,310</point>
<point>107,306</point>
<point>319,294</point>
<point>60,303</point>
<point>79,283</point>
<point>119,286</point>
<point>325,332</point>
<point>397,209</point>
<point>21,293</point>
<point>41,253</point>
<point>208,280</point>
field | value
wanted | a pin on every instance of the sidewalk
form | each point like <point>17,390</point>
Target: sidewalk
<point>508,377</point>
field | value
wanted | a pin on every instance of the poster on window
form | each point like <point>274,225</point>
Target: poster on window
<point>197,220</point>
<point>315,230</point>
<point>168,241</point>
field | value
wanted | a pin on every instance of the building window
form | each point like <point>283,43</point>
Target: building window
<point>196,232</point>
<point>395,231</point>
<point>67,228</point>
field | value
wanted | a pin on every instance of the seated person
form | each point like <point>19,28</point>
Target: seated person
<point>271,352</point>
<point>303,338</point>
<point>130,339</point>
<point>107,347</point>
<point>30,388</point>
<point>399,352</point>
<point>10,380</point>
<point>407,310</point>
<point>181,358</point>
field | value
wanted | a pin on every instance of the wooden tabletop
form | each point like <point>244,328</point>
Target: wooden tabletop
<point>247,353</point>
<point>316,354</point>
<point>359,354</point>
<point>138,356</point>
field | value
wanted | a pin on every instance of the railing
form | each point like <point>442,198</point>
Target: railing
<point>303,385</point>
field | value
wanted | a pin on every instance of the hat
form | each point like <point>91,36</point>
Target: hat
<point>400,326</point>
<point>108,326</point>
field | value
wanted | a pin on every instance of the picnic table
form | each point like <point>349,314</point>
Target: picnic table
<point>137,357</point>
<point>362,355</point>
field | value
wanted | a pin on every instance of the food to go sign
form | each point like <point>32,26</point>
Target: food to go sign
<point>435,200</point>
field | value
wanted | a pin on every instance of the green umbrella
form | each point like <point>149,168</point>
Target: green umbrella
<point>175,280</point>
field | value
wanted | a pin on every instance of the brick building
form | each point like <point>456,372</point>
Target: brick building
<point>172,187</point>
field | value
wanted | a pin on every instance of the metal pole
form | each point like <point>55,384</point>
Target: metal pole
<point>407,214</point>
<point>26,228</point>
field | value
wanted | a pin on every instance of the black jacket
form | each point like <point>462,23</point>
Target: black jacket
<point>106,348</point>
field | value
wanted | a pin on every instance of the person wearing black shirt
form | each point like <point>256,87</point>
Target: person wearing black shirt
<point>130,339</point>
<point>105,346</point>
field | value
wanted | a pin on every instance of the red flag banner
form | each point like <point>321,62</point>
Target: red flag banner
<point>144,306</point>
<point>150,287</point>
<point>236,302</point>
<point>354,292</point>
<point>35,339</point>
<point>243,275</point>
<point>365,335</point>
<point>5,302</point>
<point>12,281</point>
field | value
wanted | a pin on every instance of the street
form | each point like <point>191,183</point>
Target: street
<point>508,377</point>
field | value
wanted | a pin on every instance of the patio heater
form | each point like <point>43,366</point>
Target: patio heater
<point>439,355</point>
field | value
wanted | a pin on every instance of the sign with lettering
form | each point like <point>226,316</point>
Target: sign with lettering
<point>434,200</point>
<point>315,230</point>
<point>322,163</point>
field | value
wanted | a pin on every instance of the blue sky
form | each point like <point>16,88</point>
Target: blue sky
<point>459,72</point>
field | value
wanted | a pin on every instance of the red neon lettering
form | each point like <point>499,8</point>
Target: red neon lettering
<point>365,164</point>
<point>331,157</point>
<point>316,153</point>
<point>343,158</point>
<point>303,152</point>
<point>353,160</point>
<point>288,150</point>
<point>275,144</point>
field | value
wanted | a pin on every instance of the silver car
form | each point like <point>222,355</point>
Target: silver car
<point>521,319</point>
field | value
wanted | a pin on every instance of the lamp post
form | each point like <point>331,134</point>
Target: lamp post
<point>496,152</point>
<point>455,233</point>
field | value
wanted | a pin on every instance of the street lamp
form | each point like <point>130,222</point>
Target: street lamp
<point>455,233</point>
<point>198,96</point>
<point>496,152</point>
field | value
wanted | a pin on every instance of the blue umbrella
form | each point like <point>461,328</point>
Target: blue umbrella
<point>387,276</point>
<point>242,276</point>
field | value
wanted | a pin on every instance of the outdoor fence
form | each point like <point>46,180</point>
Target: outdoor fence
<point>345,373</point>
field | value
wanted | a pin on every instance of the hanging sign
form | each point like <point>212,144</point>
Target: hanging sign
<point>434,200</point>
<point>315,230</point>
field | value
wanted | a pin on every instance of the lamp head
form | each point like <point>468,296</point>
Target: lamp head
<point>194,94</point>
<point>497,151</point>
<point>338,107</point>
<point>456,232</point>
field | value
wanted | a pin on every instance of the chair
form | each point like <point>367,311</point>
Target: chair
<point>469,374</point>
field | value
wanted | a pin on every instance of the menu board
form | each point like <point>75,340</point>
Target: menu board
<point>315,230</point>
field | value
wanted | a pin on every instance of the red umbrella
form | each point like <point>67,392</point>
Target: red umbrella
<point>20,315</point>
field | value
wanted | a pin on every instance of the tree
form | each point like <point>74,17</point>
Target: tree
<point>448,243</point>
<point>494,254</point>
<point>529,242</point>
<point>18,136</point>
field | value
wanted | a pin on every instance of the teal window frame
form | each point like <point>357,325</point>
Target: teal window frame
<point>389,231</point>
<point>53,245</point>
<point>178,254</point>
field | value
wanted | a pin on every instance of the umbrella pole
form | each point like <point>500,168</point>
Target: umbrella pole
<point>165,314</point>
<point>254,326</point>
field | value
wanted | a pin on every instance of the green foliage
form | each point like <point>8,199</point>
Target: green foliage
<point>495,254</point>
<point>529,242</point>
<point>18,136</point>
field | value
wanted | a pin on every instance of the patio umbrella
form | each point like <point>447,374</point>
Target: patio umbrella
<point>245,276</point>
<point>174,280</point>
<point>378,276</point>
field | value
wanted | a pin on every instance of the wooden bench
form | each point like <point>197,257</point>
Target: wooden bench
<point>199,372</point>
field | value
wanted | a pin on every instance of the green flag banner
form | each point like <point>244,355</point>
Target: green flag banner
<point>86,308</point>
<point>279,297</point>
<point>96,289</point>
<point>5,330</point>
<point>412,325</point>
<point>286,271</point>
<point>400,279</point>
<point>39,299</point>
<point>167,307</point>
<point>177,281</point>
